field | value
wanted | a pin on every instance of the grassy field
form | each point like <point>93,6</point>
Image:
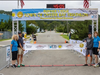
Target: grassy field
<point>4,39</point>
<point>65,36</point>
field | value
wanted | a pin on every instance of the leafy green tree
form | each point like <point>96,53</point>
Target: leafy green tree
<point>30,29</point>
<point>60,28</point>
<point>99,25</point>
<point>80,28</point>
<point>2,26</point>
<point>7,25</point>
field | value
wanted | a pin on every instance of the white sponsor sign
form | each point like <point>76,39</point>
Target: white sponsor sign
<point>8,53</point>
<point>76,45</point>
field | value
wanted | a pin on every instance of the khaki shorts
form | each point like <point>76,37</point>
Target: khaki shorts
<point>20,51</point>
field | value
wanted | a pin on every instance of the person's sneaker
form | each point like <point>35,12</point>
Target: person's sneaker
<point>18,66</point>
<point>99,64</point>
<point>96,65</point>
<point>13,66</point>
<point>22,64</point>
<point>85,65</point>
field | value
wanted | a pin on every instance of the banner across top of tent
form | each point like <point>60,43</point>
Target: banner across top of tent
<point>55,14</point>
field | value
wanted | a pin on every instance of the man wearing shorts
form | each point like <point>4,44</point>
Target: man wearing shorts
<point>20,49</point>
<point>89,46</point>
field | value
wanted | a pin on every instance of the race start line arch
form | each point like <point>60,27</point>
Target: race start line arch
<point>74,14</point>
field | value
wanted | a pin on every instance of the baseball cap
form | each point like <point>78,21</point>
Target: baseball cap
<point>89,33</point>
<point>19,32</point>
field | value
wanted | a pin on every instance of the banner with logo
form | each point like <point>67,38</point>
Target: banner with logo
<point>8,53</point>
<point>71,41</point>
<point>55,14</point>
<point>45,46</point>
<point>79,46</point>
<point>76,45</point>
<point>54,46</point>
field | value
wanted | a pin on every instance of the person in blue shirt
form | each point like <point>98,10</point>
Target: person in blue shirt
<point>96,46</point>
<point>14,50</point>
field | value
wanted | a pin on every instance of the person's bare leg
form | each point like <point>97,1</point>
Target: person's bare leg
<point>18,59</point>
<point>96,59</point>
<point>13,62</point>
<point>21,60</point>
<point>90,60</point>
<point>86,58</point>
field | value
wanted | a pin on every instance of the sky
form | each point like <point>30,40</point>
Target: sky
<point>9,5</point>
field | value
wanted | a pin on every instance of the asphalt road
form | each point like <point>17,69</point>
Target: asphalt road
<point>62,57</point>
<point>4,43</point>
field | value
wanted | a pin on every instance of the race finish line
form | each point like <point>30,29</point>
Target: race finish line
<point>78,46</point>
<point>73,65</point>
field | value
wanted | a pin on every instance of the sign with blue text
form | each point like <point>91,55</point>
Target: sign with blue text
<point>8,53</point>
<point>55,14</point>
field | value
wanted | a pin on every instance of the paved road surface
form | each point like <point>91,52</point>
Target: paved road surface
<point>61,57</point>
<point>3,43</point>
<point>49,38</point>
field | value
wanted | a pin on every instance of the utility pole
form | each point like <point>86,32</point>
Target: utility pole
<point>67,26</point>
<point>18,5</point>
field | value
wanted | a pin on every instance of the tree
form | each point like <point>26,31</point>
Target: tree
<point>30,29</point>
<point>7,25</point>
<point>2,26</point>
<point>99,25</point>
<point>81,29</point>
<point>60,28</point>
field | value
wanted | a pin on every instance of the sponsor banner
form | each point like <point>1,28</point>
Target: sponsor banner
<point>26,51</point>
<point>54,46</point>
<point>55,14</point>
<point>82,51</point>
<point>8,53</point>
<point>29,47</point>
<point>71,41</point>
<point>79,47</point>
<point>41,46</point>
<point>69,46</point>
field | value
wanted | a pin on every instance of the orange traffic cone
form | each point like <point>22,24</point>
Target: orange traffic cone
<point>65,41</point>
<point>34,42</point>
<point>88,55</point>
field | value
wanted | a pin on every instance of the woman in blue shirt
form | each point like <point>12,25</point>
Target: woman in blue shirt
<point>96,46</point>
<point>14,50</point>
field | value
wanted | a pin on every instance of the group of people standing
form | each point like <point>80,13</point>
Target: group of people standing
<point>92,48</point>
<point>17,50</point>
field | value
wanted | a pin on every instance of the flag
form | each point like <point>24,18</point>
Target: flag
<point>86,4</point>
<point>22,3</point>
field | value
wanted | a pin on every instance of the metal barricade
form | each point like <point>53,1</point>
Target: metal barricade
<point>3,57</point>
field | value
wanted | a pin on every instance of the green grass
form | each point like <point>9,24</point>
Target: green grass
<point>59,32</point>
<point>4,39</point>
<point>65,36</point>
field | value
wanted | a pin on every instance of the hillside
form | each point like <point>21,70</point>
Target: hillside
<point>6,12</point>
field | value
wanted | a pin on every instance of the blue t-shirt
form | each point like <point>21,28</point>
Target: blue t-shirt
<point>96,41</point>
<point>14,45</point>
